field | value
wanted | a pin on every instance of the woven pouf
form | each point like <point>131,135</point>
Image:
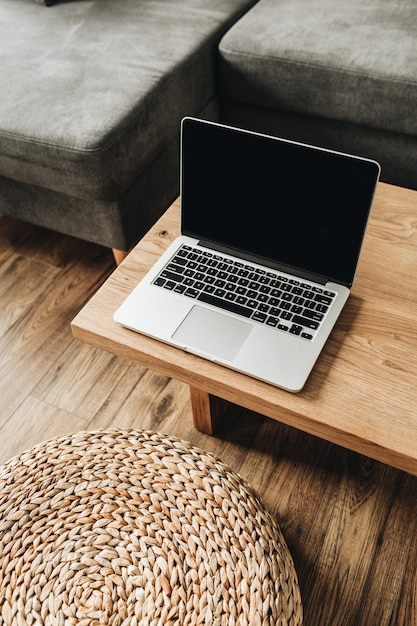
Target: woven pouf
<point>137,528</point>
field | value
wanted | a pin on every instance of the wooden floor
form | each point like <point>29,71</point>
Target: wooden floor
<point>349,522</point>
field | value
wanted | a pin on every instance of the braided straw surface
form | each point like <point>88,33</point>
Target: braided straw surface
<point>137,528</point>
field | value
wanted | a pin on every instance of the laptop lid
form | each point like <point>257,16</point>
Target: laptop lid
<point>290,206</point>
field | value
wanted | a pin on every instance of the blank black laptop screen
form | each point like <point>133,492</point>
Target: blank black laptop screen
<point>293,205</point>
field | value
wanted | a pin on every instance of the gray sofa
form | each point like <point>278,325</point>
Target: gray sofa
<point>93,92</point>
<point>338,74</point>
<point>92,95</point>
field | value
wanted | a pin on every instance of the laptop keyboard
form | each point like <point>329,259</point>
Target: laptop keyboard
<point>267,297</point>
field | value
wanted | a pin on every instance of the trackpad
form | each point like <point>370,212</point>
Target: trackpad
<point>212,333</point>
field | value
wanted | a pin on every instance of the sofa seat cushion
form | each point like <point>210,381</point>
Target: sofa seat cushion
<point>350,61</point>
<point>93,90</point>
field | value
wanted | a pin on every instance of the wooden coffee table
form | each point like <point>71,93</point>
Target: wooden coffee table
<point>362,393</point>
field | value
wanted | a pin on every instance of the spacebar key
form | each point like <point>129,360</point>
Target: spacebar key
<point>225,304</point>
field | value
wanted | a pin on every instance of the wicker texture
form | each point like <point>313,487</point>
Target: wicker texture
<point>133,527</point>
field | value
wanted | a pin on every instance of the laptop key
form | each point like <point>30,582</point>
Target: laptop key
<point>304,321</point>
<point>323,299</point>
<point>309,304</point>
<point>171,276</point>
<point>191,293</point>
<point>258,316</point>
<point>249,292</point>
<point>225,304</point>
<point>272,321</point>
<point>178,260</point>
<point>312,315</point>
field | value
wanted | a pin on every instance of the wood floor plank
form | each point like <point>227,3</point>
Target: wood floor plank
<point>39,331</point>
<point>35,421</point>
<point>143,399</point>
<point>235,436</point>
<point>232,441</point>
<point>279,465</point>
<point>344,542</point>
<point>327,501</point>
<point>45,246</point>
<point>390,578</point>
<point>68,384</point>
<point>404,611</point>
<point>21,285</point>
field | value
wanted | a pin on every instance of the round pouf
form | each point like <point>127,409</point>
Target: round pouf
<point>137,528</point>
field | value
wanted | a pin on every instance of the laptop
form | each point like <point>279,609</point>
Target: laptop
<point>271,232</point>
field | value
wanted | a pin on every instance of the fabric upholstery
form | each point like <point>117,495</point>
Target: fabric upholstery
<point>396,152</point>
<point>115,224</point>
<point>341,75</point>
<point>354,61</point>
<point>93,92</point>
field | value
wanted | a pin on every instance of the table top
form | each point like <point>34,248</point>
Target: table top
<point>362,392</point>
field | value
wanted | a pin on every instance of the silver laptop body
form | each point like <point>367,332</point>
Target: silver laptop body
<point>261,217</point>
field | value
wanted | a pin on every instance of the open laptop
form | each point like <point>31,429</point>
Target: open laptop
<point>271,232</point>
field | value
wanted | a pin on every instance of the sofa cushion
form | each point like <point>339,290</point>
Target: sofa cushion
<point>352,61</point>
<point>93,90</point>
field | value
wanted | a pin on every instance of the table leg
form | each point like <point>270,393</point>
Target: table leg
<point>119,255</point>
<point>207,409</point>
